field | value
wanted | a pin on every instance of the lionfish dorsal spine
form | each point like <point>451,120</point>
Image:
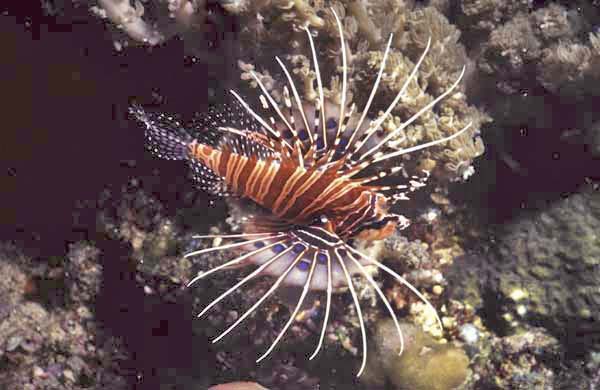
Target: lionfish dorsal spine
<point>344,75</point>
<point>297,99</point>
<point>372,94</point>
<point>320,106</point>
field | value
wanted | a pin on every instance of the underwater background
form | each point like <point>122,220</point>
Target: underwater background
<point>505,239</point>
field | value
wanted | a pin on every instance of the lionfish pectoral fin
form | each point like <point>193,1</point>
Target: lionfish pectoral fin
<point>358,312</point>
<point>253,219</point>
<point>297,308</point>
<point>310,257</point>
<point>248,239</point>
<point>348,255</point>
<point>298,257</point>
<point>280,255</point>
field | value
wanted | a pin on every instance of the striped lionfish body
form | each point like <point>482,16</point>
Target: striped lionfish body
<point>305,165</point>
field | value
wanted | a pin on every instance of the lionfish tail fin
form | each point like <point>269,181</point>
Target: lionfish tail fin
<point>165,136</point>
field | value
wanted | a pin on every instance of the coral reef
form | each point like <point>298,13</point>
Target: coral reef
<point>547,269</point>
<point>55,343</point>
<point>167,277</point>
<point>420,262</point>
<point>527,41</point>
<point>534,62</point>
<point>424,365</point>
<point>519,311</point>
<point>534,286</point>
<point>527,360</point>
<point>480,17</point>
<point>541,269</point>
<point>571,69</point>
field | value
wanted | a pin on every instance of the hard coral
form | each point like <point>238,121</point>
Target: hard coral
<point>424,364</point>
<point>526,360</point>
<point>543,256</point>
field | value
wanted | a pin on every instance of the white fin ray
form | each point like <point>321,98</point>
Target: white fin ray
<point>305,290</point>
<point>384,300</point>
<point>296,98</point>
<point>274,287</point>
<point>344,75</point>
<point>274,133</point>
<point>399,129</point>
<point>372,95</point>
<point>281,116</point>
<point>320,88</point>
<point>422,146</point>
<point>358,313</point>
<point>243,281</point>
<point>402,281</point>
<point>327,309</point>
<point>376,123</point>
<point>227,246</point>
<point>235,261</point>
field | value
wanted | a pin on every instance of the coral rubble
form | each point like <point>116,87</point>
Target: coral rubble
<point>46,345</point>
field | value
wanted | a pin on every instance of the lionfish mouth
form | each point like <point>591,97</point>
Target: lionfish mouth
<point>310,256</point>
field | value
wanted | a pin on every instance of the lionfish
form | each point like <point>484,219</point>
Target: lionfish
<point>303,167</point>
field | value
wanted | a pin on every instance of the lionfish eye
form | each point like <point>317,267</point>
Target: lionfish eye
<point>320,220</point>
